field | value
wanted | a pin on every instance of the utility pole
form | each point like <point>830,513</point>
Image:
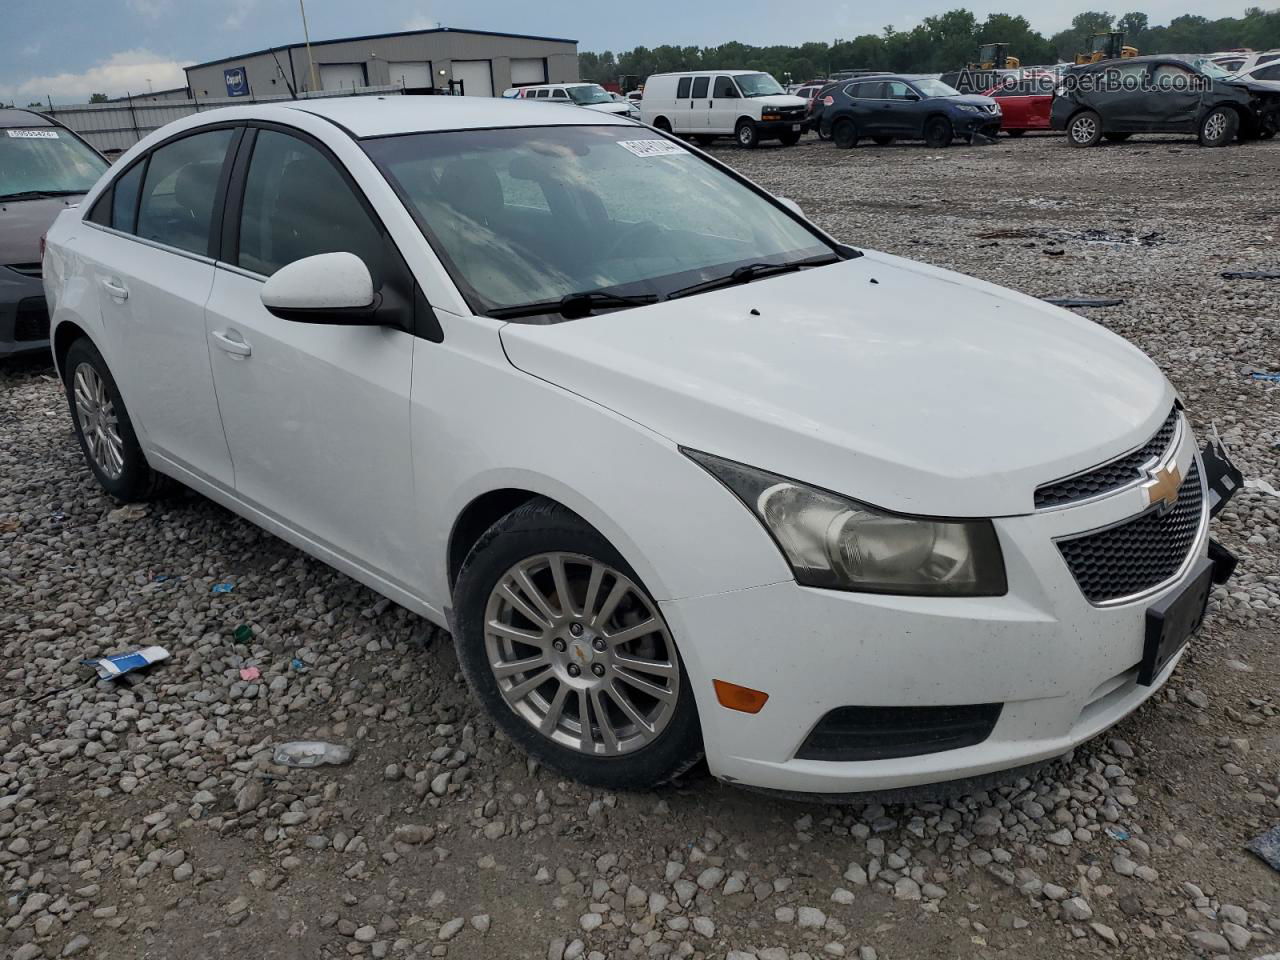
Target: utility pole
<point>306,36</point>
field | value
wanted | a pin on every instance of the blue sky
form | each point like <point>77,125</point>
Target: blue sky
<point>68,49</point>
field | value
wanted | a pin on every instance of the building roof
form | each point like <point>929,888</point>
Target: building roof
<point>373,36</point>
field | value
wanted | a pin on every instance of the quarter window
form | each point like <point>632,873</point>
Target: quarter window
<point>124,199</point>
<point>296,205</point>
<point>181,189</point>
<point>1267,73</point>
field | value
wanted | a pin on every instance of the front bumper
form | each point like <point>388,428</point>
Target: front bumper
<point>988,125</point>
<point>772,129</point>
<point>24,319</point>
<point>1063,669</point>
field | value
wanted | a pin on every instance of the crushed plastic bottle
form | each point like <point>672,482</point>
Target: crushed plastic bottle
<point>310,753</point>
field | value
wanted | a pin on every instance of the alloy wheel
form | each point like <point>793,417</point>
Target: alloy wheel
<point>98,421</point>
<point>1084,130</point>
<point>581,654</point>
<point>1215,126</point>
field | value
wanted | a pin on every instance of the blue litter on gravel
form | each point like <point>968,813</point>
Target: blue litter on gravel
<point>223,587</point>
<point>1117,833</point>
<point>1267,847</point>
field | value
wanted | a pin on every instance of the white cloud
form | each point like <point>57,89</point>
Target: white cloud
<point>124,72</point>
<point>420,21</point>
<point>31,49</point>
<point>238,14</point>
<point>150,8</point>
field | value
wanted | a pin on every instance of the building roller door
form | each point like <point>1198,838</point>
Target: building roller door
<point>476,75</point>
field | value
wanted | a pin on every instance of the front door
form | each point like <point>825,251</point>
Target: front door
<point>906,111</point>
<point>153,270</point>
<point>1177,97</point>
<point>725,106</point>
<point>317,417</point>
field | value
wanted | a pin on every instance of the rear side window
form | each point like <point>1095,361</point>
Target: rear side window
<point>124,200</point>
<point>1268,73</point>
<point>700,85</point>
<point>682,88</point>
<point>560,95</point>
<point>180,190</point>
<point>296,205</point>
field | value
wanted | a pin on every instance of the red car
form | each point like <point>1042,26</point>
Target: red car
<point>1025,102</point>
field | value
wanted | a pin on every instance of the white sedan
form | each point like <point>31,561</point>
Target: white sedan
<point>679,471</point>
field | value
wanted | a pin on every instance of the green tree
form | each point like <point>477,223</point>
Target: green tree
<point>98,98</point>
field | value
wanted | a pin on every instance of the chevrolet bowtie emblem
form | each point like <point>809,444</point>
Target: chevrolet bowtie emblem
<point>1163,488</point>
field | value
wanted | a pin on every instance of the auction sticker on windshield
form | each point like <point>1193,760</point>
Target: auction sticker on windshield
<point>651,148</point>
<point>33,134</point>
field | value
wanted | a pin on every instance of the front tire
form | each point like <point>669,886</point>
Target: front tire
<point>1085,129</point>
<point>747,135</point>
<point>102,425</point>
<point>1219,127</point>
<point>569,653</point>
<point>939,133</point>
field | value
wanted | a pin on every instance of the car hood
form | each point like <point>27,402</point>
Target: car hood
<point>612,107</point>
<point>780,100</point>
<point>971,100</point>
<point>1256,86</point>
<point>909,387</point>
<point>23,223</point>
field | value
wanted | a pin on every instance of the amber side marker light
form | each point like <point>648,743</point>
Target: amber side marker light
<point>739,698</point>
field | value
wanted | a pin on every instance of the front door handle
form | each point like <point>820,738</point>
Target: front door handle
<point>117,289</point>
<point>231,342</point>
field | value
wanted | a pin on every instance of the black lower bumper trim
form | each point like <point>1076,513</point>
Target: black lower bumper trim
<point>884,733</point>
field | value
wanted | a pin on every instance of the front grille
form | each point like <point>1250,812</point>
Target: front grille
<point>884,733</point>
<point>33,270</point>
<point>1140,553</point>
<point>1111,475</point>
<point>32,320</point>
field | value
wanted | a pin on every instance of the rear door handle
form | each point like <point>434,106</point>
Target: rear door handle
<point>231,342</point>
<point>117,289</point>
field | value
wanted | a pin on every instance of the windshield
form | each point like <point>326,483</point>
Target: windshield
<point>935,88</point>
<point>527,215</point>
<point>589,93</point>
<point>1211,69</point>
<point>758,85</point>
<point>46,160</point>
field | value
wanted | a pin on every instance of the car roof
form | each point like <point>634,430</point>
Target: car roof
<point>386,116</point>
<point>562,83</point>
<point>706,73</point>
<point>24,118</point>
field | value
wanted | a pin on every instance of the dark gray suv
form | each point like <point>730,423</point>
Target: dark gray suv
<point>44,168</point>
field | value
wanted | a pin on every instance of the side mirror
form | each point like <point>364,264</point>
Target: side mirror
<point>791,205</point>
<point>913,97</point>
<point>327,288</point>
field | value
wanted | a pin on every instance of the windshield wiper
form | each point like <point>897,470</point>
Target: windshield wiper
<point>573,306</point>
<point>753,271</point>
<point>39,194</point>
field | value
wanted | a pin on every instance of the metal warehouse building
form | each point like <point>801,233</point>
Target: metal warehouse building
<point>482,63</point>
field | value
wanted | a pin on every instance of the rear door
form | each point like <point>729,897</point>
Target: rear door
<point>723,108</point>
<point>153,268</point>
<point>1127,103</point>
<point>317,417</point>
<point>867,101</point>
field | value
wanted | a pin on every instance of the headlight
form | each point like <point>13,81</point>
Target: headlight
<point>968,108</point>
<point>835,542</point>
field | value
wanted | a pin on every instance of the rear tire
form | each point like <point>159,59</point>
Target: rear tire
<point>1219,127</point>
<point>882,141</point>
<point>102,425</point>
<point>844,134</point>
<point>747,135</point>
<point>662,123</point>
<point>1085,129</point>
<point>544,547</point>
<point>938,133</point>
<point>790,138</point>
<point>1266,134</point>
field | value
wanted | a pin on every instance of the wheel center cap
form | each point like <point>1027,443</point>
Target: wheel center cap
<point>580,651</point>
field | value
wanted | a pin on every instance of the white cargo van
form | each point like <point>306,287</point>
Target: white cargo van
<point>589,95</point>
<point>704,104</point>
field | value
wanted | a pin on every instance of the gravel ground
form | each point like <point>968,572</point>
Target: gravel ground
<point>145,818</point>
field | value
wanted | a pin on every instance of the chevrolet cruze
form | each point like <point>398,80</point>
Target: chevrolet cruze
<point>681,473</point>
